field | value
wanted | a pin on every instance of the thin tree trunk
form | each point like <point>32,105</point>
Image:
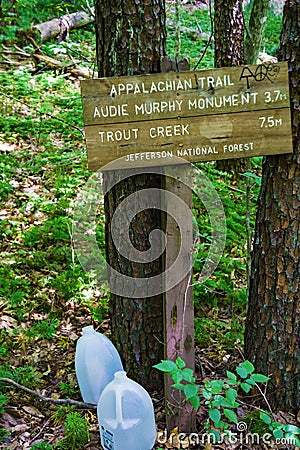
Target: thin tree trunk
<point>229,33</point>
<point>229,51</point>
<point>130,40</point>
<point>2,21</point>
<point>272,336</point>
<point>255,31</point>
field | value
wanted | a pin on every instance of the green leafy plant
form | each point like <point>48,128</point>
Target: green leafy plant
<point>179,372</point>
<point>3,434</point>
<point>26,375</point>
<point>60,413</point>
<point>287,432</point>
<point>221,398</point>
<point>68,388</point>
<point>3,401</point>
<point>76,432</point>
<point>44,329</point>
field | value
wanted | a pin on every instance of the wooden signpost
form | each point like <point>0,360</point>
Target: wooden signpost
<point>206,115</point>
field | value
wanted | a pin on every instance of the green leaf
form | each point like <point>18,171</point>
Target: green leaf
<point>278,425</point>
<point>217,383</point>
<point>265,418</point>
<point>216,435</point>
<point>223,425</point>
<point>292,429</point>
<point>214,415</point>
<point>188,375</point>
<point>190,390</point>
<point>231,395</point>
<point>231,375</point>
<point>166,366</point>
<point>216,390</point>
<point>218,400</point>
<point>248,366</point>
<point>216,386</point>
<point>195,402</point>
<point>226,404</point>
<point>206,394</point>
<point>231,382</point>
<point>242,372</point>
<point>259,378</point>
<point>177,377</point>
<point>278,433</point>
<point>292,439</point>
<point>180,363</point>
<point>231,415</point>
<point>178,386</point>
<point>246,387</point>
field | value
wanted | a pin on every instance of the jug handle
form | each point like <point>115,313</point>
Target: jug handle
<point>119,409</point>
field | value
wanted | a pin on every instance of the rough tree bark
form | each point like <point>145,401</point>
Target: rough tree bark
<point>272,337</point>
<point>255,30</point>
<point>229,33</point>
<point>229,51</point>
<point>131,40</point>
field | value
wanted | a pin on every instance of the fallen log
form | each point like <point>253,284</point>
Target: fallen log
<point>54,64</point>
<point>36,60</point>
<point>58,27</point>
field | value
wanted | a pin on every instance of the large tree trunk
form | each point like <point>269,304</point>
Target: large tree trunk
<point>272,337</point>
<point>229,51</point>
<point>130,40</point>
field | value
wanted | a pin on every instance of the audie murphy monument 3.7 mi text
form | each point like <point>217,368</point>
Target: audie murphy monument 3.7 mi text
<point>205,115</point>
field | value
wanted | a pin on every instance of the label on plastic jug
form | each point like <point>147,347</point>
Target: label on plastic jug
<point>107,439</point>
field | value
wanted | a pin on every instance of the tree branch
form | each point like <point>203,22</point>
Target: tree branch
<point>55,401</point>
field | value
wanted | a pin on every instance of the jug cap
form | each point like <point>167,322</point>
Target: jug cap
<point>88,330</point>
<point>120,375</point>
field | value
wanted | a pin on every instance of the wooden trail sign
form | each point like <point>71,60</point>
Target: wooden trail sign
<point>204,115</point>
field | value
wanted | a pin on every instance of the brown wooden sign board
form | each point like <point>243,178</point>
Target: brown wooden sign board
<point>204,115</point>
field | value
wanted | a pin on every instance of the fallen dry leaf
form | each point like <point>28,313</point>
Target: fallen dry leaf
<point>33,411</point>
<point>20,428</point>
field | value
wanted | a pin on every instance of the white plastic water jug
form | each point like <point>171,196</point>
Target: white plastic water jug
<point>96,361</point>
<point>126,416</point>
